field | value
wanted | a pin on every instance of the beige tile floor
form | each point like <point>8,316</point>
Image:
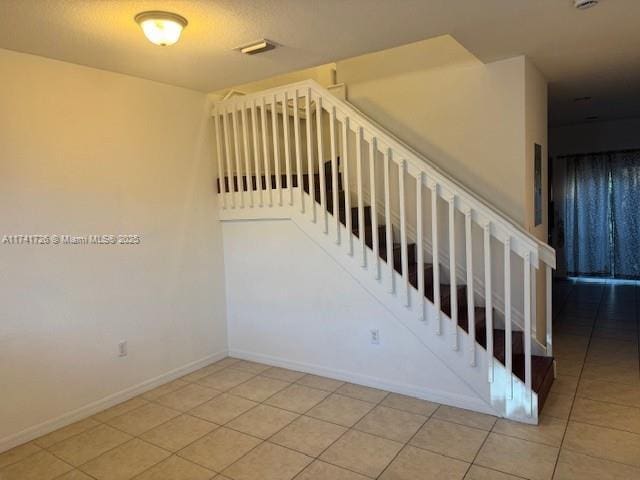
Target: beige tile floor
<point>241,420</point>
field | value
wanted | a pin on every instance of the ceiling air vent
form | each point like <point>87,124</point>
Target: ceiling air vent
<point>257,47</point>
<point>584,4</point>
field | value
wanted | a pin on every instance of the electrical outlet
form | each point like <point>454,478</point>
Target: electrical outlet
<point>123,350</point>
<point>375,336</point>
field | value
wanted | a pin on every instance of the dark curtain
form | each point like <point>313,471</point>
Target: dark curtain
<point>602,214</point>
<point>587,216</point>
<point>625,213</point>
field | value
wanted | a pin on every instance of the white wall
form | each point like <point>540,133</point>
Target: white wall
<point>536,131</point>
<point>84,151</point>
<point>468,118</point>
<point>291,304</point>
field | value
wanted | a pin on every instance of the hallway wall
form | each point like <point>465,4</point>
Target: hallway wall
<point>84,151</point>
<point>619,134</point>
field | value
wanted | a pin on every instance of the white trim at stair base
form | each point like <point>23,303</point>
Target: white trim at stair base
<point>92,408</point>
<point>436,396</point>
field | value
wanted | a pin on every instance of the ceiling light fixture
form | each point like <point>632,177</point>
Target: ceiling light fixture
<point>257,47</point>
<point>584,4</point>
<point>161,28</point>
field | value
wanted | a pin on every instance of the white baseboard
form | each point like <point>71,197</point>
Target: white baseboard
<point>436,396</point>
<point>92,408</point>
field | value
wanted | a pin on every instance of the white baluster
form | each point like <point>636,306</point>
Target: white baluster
<point>287,145</point>
<point>276,147</point>
<point>527,329</point>
<point>245,143</point>
<point>435,256</point>
<point>549,310</point>
<point>453,289</point>
<point>256,152</point>
<point>534,313</point>
<point>334,172</point>
<point>488,298</point>
<point>310,162</point>
<point>387,218</point>
<point>221,180</point>
<point>296,133</point>
<point>471,313</point>
<point>361,227</point>
<point>229,181</point>
<point>321,171</point>
<point>507,317</point>
<point>345,183</point>
<point>404,254</point>
<point>236,149</point>
<point>374,207</point>
<point>419,245</point>
<point>265,146</point>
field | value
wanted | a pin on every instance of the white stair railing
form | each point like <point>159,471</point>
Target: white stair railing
<point>378,153</point>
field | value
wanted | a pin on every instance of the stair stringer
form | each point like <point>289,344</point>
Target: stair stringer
<point>494,394</point>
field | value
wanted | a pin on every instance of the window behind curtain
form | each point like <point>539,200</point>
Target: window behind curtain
<point>602,214</point>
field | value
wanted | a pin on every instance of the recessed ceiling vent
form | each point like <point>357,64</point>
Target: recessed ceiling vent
<point>259,46</point>
<point>584,4</point>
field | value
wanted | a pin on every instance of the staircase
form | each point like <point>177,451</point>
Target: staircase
<point>267,144</point>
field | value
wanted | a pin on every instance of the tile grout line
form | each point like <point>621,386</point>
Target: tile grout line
<point>262,441</point>
<point>432,417</point>
<point>189,382</point>
<point>408,442</point>
<point>299,415</point>
<point>600,401</point>
<point>199,438</point>
<point>347,430</point>
<point>475,457</point>
<point>564,433</point>
<point>225,425</point>
<point>555,467</point>
<point>40,449</point>
<point>134,436</point>
<point>188,412</point>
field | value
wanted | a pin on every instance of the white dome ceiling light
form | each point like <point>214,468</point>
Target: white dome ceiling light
<point>161,28</point>
<point>584,4</point>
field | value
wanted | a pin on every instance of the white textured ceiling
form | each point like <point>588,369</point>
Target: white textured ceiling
<point>582,53</point>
